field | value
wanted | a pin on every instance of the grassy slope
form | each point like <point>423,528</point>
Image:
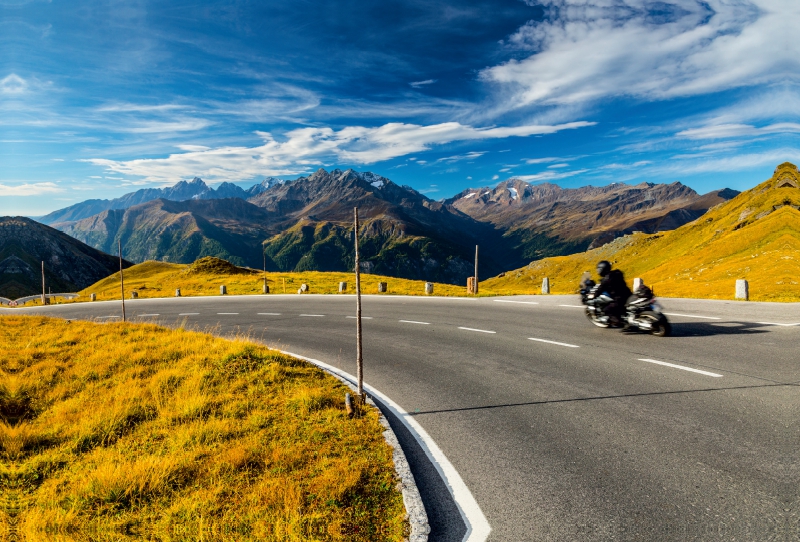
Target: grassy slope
<point>114,432</point>
<point>158,279</point>
<point>701,259</point>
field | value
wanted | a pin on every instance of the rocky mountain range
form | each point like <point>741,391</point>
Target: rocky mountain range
<point>306,224</point>
<point>69,264</point>
<point>546,220</point>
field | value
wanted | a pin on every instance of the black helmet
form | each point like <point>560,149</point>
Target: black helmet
<point>603,268</point>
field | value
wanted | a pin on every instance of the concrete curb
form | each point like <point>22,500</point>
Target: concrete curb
<point>415,510</point>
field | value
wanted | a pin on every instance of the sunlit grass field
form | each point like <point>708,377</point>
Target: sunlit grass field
<point>205,276</point>
<point>122,432</point>
<point>755,236</point>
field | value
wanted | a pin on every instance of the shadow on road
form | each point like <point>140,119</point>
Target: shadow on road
<point>702,329</point>
<point>597,398</point>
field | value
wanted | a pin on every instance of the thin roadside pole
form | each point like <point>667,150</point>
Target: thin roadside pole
<point>476,270</point>
<point>264,253</point>
<point>359,355</point>
<point>44,297</point>
<point>121,279</point>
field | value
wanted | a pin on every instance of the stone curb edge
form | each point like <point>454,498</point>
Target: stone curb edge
<point>415,510</point>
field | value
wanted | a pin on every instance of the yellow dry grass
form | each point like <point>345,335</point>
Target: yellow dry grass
<point>159,279</point>
<point>119,431</point>
<point>755,236</point>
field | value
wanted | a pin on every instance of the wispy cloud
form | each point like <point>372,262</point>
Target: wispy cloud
<point>420,84</point>
<point>13,84</point>
<point>550,175</point>
<point>306,147</point>
<point>29,189</point>
<point>722,131</point>
<point>461,157</point>
<point>584,51</point>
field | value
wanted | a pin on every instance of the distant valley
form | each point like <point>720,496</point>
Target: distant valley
<point>306,223</point>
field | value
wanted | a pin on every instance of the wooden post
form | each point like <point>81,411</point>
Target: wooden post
<point>121,278</point>
<point>359,356</point>
<point>264,253</point>
<point>44,296</point>
<point>476,271</point>
<point>284,284</point>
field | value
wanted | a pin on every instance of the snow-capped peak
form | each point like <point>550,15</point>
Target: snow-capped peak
<point>471,194</point>
<point>514,193</point>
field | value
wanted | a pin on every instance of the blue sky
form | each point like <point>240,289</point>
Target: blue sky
<point>99,98</point>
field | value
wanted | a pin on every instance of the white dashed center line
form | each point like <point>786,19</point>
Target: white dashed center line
<point>189,314</point>
<point>573,306</point>
<point>692,316</point>
<point>227,313</point>
<point>511,301</point>
<point>415,322</point>
<point>680,367</point>
<point>554,342</point>
<point>363,317</point>
<point>478,330</point>
<point>776,324</point>
<point>269,313</point>
<point>314,315</point>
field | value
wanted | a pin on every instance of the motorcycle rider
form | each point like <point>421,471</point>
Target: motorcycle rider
<point>612,282</point>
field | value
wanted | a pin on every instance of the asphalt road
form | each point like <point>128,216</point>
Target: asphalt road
<point>561,430</point>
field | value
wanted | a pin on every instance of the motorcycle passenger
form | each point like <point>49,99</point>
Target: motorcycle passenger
<point>613,283</point>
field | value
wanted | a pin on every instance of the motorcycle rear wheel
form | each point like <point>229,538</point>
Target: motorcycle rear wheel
<point>661,327</point>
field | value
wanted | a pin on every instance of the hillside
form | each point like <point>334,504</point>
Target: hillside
<point>547,220</point>
<point>205,276</point>
<point>754,236</point>
<point>138,432</point>
<point>69,264</point>
<point>180,231</point>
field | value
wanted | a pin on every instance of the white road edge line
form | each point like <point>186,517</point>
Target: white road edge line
<point>573,306</point>
<point>776,324</point>
<point>512,301</point>
<point>553,342</point>
<point>142,315</point>
<point>269,313</point>
<point>188,314</point>
<point>478,330</point>
<point>692,316</point>
<point>314,315</point>
<point>415,322</point>
<point>363,317</point>
<point>478,527</point>
<point>680,367</point>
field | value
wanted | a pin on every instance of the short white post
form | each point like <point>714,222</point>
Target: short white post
<point>134,294</point>
<point>742,289</point>
<point>637,283</point>
<point>304,288</point>
<point>381,287</point>
<point>223,290</point>
<point>177,292</point>
<point>546,285</point>
<point>428,288</point>
<point>93,297</point>
<point>342,287</point>
<point>265,288</point>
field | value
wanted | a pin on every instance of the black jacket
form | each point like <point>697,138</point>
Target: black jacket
<point>614,284</point>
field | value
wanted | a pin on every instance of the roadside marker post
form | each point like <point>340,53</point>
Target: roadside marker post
<point>121,278</point>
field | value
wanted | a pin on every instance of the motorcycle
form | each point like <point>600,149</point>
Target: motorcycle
<point>642,311</point>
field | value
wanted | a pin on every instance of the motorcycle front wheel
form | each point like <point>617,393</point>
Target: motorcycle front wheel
<point>661,327</point>
<point>591,316</point>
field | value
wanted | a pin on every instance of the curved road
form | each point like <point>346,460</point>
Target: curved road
<point>560,430</point>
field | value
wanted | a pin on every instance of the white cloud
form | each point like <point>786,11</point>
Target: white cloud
<point>420,84</point>
<point>29,189</point>
<point>549,175</point>
<point>722,131</point>
<point>585,50</point>
<point>635,165</point>
<point>13,84</point>
<point>542,160</point>
<point>457,158</point>
<point>306,147</point>
<point>495,177</point>
<point>557,166</point>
